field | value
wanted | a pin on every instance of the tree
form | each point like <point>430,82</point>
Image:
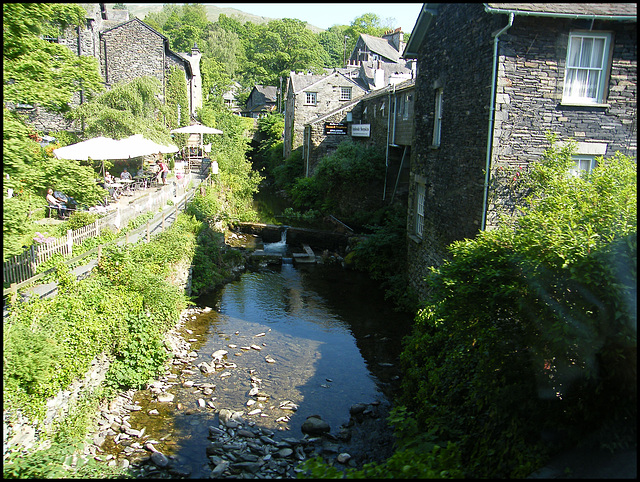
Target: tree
<point>332,41</point>
<point>37,71</point>
<point>127,108</point>
<point>532,326</point>
<point>177,99</point>
<point>226,48</point>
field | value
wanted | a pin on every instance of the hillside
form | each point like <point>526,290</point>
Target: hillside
<point>213,12</point>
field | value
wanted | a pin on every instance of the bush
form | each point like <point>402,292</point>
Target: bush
<point>531,326</point>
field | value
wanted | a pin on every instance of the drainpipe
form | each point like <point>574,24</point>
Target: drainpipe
<point>491,120</point>
<point>386,158</point>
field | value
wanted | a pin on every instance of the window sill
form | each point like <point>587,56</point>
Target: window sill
<point>414,238</point>
<point>568,103</point>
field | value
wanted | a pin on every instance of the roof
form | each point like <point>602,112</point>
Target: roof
<point>300,82</point>
<point>404,85</point>
<point>380,46</point>
<point>572,9</point>
<point>601,11</point>
<point>140,22</point>
<point>269,92</point>
<point>368,69</point>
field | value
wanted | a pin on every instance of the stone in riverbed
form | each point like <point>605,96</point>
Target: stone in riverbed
<point>159,459</point>
<point>314,425</point>
<point>166,397</point>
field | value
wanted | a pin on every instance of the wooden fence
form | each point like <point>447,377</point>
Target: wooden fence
<point>23,266</point>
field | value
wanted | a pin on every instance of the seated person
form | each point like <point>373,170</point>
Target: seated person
<point>108,178</point>
<point>125,174</point>
<point>70,203</point>
<point>140,172</point>
<point>55,203</point>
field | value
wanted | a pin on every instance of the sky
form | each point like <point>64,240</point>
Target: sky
<point>324,15</point>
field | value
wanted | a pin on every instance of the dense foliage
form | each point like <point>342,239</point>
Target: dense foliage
<point>347,183</point>
<point>38,71</point>
<point>530,328</point>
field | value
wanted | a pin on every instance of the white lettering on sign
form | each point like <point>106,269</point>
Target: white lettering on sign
<point>360,130</point>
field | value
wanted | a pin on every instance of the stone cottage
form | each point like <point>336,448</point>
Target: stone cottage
<point>310,96</point>
<point>125,49</point>
<point>383,118</point>
<point>492,80</point>
<point>262,100</point>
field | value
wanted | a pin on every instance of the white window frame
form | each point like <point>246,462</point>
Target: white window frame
<point>437,119</point>
<point>420,199</point>
<point>345,93</point>
<point>405,107</point>
<point>585,65</point>
<point>583,164</point>
<point>311,98</point>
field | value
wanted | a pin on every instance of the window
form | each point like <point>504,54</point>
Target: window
<point>345,93</point>
<point>420,209</point>
<point>311,98</point>
<point>437,120</point>
<point>586,69</point>
<point>584,164</point>
<point>405,106</point>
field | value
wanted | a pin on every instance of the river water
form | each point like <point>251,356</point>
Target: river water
<point>331,339</point>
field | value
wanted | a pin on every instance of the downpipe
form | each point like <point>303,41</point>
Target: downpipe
<point>492,110</point>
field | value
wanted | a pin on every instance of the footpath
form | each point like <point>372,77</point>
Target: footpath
<point>50,289</point>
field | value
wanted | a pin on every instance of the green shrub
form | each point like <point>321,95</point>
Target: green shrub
<point>531,326</point>
<point>80,219</point>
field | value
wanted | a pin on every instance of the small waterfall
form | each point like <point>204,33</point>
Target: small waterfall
<point>280,247</point>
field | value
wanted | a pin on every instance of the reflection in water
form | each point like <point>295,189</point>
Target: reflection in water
<point>328,330</point>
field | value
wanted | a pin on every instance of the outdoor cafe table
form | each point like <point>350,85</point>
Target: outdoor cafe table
<point>117,189</point>
<point>128,185</point>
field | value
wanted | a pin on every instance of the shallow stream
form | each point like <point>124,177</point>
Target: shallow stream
<point>316,335</point>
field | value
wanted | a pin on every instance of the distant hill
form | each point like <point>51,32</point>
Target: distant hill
<point>141,9</point>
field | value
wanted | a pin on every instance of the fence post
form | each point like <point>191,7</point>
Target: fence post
<point>99,251</point>
<point>163,216</point>
<point>126,238</point>
<point>148,231</point>
<point>14,292</point>
<point>175,213</point>
<point>70,242</point>
<point>32,259</point>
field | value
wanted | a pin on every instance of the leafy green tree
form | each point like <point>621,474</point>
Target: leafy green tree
<point>332,41</point>
<point>186,26</point>
<point>177,99</point>
<point>226,48</point>
<point>531,326</point>
<point>127,108</point>
<point>215,81</point>
<point>39,72</point>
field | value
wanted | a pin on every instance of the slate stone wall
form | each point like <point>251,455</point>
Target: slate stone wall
<point>458,60</point>
<point>532,55</point>
<point>132,51</point>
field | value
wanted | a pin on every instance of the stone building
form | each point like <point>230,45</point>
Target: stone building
<point>492,80</point>
<point>125,49</point>
<point>383,118</point>
<point>311,96</point>
<point>262,100</point>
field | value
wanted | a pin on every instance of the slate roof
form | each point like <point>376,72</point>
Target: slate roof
<point>269,92</point>
<point>587,9</point>
<point>381,47</point>
<point>368,69</point>
<point>299,82</point>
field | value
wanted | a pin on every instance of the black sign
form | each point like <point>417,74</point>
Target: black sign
<point>335,128</point>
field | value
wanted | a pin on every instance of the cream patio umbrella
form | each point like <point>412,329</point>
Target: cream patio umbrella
<point>97,148</point>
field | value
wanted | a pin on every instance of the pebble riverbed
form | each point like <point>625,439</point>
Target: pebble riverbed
<point>251,442</point>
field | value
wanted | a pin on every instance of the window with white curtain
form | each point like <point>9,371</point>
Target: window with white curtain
<point>585,74</point>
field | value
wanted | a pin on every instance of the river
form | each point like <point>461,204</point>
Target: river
<point>330,338</point>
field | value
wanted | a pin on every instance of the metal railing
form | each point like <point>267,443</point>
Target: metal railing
<point>23,267</point>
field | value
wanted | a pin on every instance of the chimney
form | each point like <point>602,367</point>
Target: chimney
<point>378,78</point>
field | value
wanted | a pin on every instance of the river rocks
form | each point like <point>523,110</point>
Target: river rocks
<point>166,397</point>
<point>314,425</point>
<point>159,459</point>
